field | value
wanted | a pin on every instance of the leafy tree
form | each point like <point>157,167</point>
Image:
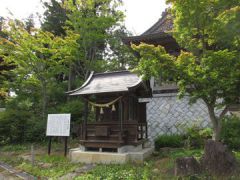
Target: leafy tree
<point>56,58</point>
<point>39,58</point>
<point>119,56</point>
<point>29,23</point>
<point>5,67</point>
<point>94,21</point>
<point>208,66</point>
<point>54,18</point>
<point>41,62</point>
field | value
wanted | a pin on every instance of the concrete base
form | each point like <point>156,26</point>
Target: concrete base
<point>77,155</point>
<point>129,148</point>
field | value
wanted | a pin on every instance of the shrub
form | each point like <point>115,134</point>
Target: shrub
<point>173,141</point>
<point>230,133</point>
<point>196,135</point>
<point>20,126</point>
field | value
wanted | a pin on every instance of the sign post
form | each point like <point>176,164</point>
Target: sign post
<point>65,147</point>
<point>49,145</point>
<point>58,125</point>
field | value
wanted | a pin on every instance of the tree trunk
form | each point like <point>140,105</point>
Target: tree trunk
<point>44,99</point>
<point>216,123</point>
<point>70,78</point>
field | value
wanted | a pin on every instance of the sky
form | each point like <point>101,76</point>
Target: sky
<point>140,14</point>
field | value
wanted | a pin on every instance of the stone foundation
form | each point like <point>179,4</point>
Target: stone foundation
<point>77,155</point>
<point>125,149</point>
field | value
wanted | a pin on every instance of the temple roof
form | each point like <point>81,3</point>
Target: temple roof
<point>159,30</point>
<point>164,24</point>
<point>158,34</point>
<point>119,81</point>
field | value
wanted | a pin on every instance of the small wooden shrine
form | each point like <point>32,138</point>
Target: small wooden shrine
<point>119,118</point>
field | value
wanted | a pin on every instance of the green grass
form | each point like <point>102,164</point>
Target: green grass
<point>53,166</point>
<point>159,166</point>
<point>14,148</point>
<point>118,172</point>
<point>162,162</point>
<point>197,153</point>
<point>11,161</point>
<point>50,167</point>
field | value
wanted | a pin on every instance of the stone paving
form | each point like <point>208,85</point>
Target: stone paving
<point>6,175</point>
<point>8,172</point>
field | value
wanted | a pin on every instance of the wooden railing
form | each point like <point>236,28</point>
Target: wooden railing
<point>125,133</point>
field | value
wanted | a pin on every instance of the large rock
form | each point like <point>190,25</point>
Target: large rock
<point>186,166</point>
<point>218,160</point>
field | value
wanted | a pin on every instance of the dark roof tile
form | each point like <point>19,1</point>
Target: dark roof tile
<point>119,81</point>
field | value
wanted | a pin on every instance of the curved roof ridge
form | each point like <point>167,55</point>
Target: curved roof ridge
<point>118,81</point>
<point>84,84</point>
<point>162,25</point>
<point>111,72</point>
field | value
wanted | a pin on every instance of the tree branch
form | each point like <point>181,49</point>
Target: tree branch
<point>225,110</point>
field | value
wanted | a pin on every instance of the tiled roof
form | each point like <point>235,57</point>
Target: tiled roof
<point>164,24</point>
<point>120,81</point>
<point>158,31</point>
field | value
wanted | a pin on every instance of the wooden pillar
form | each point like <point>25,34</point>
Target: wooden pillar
<point>85,120</point>
<point>141,128</point>
<point>146,130</point>
<point>136,131</point>
<point>129,109</point>
<point>120,118</point>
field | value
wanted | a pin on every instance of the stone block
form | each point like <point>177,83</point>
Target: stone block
<point>77,155</point>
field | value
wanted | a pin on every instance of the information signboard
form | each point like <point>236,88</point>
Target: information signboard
<point>58,125</point>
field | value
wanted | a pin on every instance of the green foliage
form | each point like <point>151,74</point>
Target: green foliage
<point>230,132</point>
<point>54,18</point>
<point>11,161</point>
<point>118,172</point>
<point>40,61</point>
<point>14,148</point>
<point>5,67</point>
<point>119,56</point>
<point>52,60</point>
<point>12,126</point>
<point>57,166</point>
<point>174,141</point>
<point>208,68</point>
<point>38,58</point>
<point>163,162</point>
<point>202,23</point>
<point>96,22</point>
<point>196,136</point>
<point>237,155</point>
<point>20,125</point>
<point>154,61</point>
<point>197,153</point>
